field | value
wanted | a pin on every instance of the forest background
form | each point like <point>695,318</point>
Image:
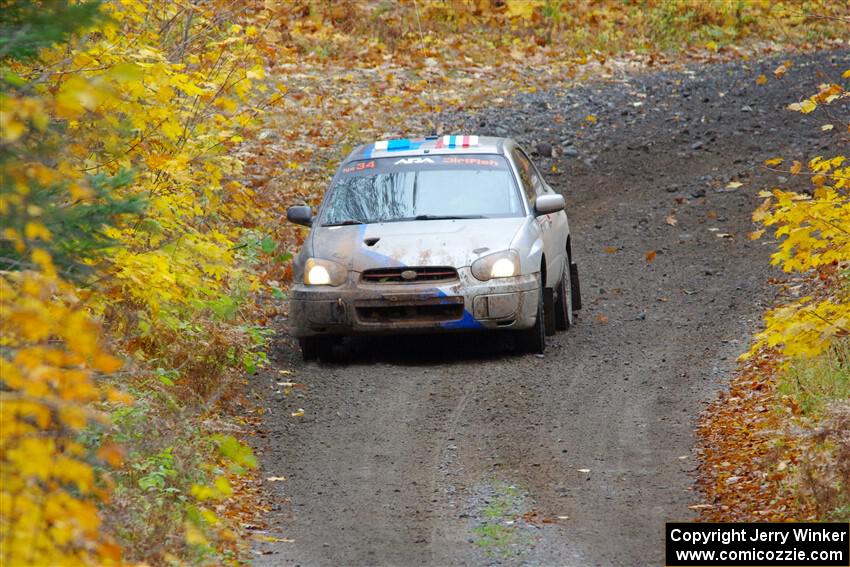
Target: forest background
<point>148,151</point>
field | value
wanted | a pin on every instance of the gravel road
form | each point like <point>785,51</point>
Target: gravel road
<point>454,450</point>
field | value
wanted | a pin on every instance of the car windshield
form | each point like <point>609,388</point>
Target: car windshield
<point>422,188</point>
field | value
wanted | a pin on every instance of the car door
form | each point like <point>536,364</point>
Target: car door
<point>534,186</point>
<point>558,230</point>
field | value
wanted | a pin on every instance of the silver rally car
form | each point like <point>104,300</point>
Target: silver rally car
<point>439,234</point>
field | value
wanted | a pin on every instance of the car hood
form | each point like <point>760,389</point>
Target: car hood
<point>455,243</point>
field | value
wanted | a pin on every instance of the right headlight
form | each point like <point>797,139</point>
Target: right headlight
<point>318,271</point>
<point>499,265</point>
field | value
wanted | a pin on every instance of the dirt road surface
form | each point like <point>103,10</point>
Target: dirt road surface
<point>454,450</point>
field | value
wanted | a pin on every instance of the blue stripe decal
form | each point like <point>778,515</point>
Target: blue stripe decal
<point>395,145</point>
<point>466,322</point>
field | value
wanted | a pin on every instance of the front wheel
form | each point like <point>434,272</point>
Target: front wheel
<point>533,340</point>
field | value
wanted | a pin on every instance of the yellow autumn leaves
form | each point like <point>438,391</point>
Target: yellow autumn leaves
<point>827,94</point>
<point>48,490</point>
<point>117,202</point>
<point>813,230</point>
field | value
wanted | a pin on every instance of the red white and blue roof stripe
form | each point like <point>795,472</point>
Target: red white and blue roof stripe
<point>450,142</point>
<point>462,141</point>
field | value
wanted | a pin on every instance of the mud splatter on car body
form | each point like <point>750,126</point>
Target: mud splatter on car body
<point>405,238</point>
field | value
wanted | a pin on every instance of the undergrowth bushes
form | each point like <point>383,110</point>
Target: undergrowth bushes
<point>816,383</point>
<point>574,27</point>
<point>820,388</point>
<point>823,472</point>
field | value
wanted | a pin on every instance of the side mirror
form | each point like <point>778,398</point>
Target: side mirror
<point>300,214</point>
<point>548,204</point>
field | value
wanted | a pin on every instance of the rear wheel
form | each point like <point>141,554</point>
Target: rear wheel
<point>564,301</point>
<point>314,348</point>
<point>533,340</point>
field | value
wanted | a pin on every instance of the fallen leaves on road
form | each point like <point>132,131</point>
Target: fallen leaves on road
<point>737,443</point>
<point>273,539</point>
<point>779,72</point>
<point>535,518</point>
<point>650,256</point>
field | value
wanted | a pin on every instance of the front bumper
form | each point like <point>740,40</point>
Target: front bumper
<point>381,308</point>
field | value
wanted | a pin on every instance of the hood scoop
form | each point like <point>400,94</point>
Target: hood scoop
<point>371,241</point>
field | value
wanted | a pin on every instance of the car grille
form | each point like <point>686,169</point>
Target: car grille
<point>409,275</point>
<point>434,310</point>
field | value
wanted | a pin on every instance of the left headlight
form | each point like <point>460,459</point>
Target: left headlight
<point>318,271</point>
<point>499,265</point>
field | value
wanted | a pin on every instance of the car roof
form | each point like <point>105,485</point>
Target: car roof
<point>431,145</point>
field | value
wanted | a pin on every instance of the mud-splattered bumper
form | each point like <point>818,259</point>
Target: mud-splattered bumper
<point>464,304</point>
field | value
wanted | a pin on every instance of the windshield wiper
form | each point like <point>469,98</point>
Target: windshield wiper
<point>447,217</point>
<point>407,219</point>
<point>343,223</point>
<point>434,217</point>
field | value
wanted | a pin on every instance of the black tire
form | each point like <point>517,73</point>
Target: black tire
<point>575,286</point>
<point>564,301</point>
<point>314,348</point>
<point>533,340</point>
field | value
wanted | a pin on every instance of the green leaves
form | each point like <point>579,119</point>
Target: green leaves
<point>268,245</point>
<point>239,455</point>
<point>28,26</point>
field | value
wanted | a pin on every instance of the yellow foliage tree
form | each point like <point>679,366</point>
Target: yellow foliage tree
<point>121,208</point>
<point>48,488</point>
<point>814,233</point>
<point>143,95</point>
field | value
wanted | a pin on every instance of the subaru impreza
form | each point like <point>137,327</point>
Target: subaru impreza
<point>438,234</point>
